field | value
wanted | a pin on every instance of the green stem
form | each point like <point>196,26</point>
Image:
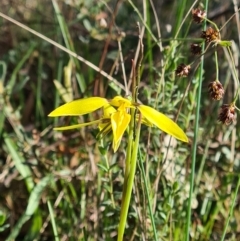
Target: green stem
<point>130,180</point>
<point>129,150</point>
<point>149,45</point>
<point>132,151</point>
<point>231,209</point>
<point>148,197</point>
<point>194,150</point>
<point>214,24</point>
<point>216,61</point>
<point>235,73</point>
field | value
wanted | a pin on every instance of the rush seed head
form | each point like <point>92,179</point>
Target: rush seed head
<point>216,90</point>
<point>198,15</point>
<point>227,114</point>
<point>183,70</point>
<point>210,35</point>
<point>196,49</point>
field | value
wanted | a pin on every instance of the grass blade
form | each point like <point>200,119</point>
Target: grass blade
<point>33,203</point>
<point>18,160</point>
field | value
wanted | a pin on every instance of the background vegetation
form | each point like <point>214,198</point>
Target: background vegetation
<point>67,185</point>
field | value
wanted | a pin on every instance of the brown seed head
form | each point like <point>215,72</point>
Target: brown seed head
<point>183,70</point>
<point>216,90</point>
<point>198,15</point>
<point>196,49</point>
<point>227,114</point>
<point>210,35</point>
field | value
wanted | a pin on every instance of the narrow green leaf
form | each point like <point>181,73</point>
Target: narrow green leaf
<point>102,167</point>
<point>18,160</point>
<point>54,225</point>
<point>64,128</point>
<point>33,203</point>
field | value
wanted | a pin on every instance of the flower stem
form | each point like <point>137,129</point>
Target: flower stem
<point>194,150</point>
<point>130,165</point>
<point>214,24</point>
<point>148,197</point>
<point>235,73</point>
<point>128,185</point>
<point>216,61</point>
<point>139,63</point>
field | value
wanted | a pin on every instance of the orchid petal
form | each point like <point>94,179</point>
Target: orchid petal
<point>79,107</point>
<point>144,121</point>
<point>64,128</point>
<point>163,122</point>
<point>116,144</point>
<point>105,122</point>
<point>104,129</point>
<point>108,110</point>
<point>120,121</point>
<point>119,100</point>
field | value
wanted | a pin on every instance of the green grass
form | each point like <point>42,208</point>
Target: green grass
<point>68,185</point>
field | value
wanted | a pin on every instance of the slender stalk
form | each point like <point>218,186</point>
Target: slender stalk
<point>235,75</point>
<point>214,24</point>
<point>139,64</point>
<point>216,61</point>
<point>131,132</point>
<point>130,161</point>
<point>129,153</point>
<point>53,221</point>
<point>149,46</point>
<point>194,150</point>
<point>130,181</point>
<point>148,197</point>
<point>122,64</point>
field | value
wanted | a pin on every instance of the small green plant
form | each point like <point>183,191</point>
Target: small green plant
<point>120,114</point>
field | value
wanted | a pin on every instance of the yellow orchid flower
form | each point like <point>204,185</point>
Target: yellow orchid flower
<point>116,117</point>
